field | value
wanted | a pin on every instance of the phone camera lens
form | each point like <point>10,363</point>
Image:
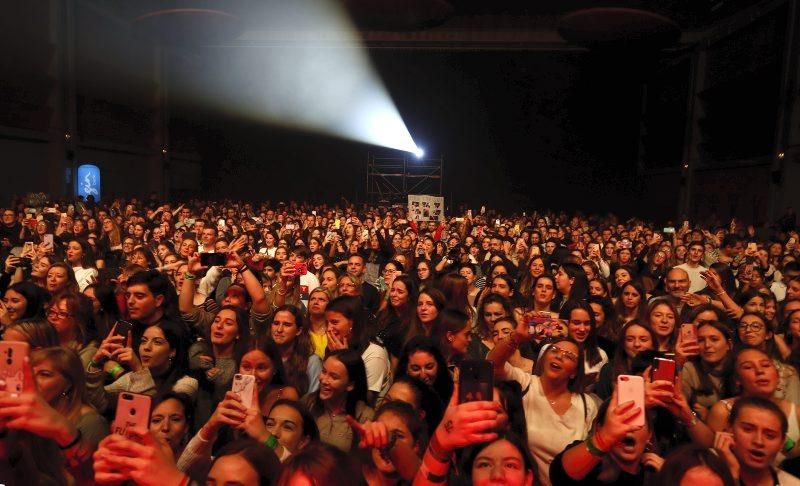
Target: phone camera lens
<point>133,411</point>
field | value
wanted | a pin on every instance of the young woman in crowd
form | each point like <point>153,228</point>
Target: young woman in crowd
<point>300,363</point>
<point>635,338</point>
<point>61,279</point>
<point>707,378</point>
<point>452,332</point>
<point>430,302</point>
<point>346,320</point>
<point>662,317</point>
<point>159,364</point>
<point>23,301</point>
<point>571,283</point>
<point>171,420</point>
<point>422,360</point>
<point>631,304</point>
<point>556,410</point>
<point>342,392</point>
<point>80,258</point>
<point>70,316</point>
<point>395,320</point>
<point>492,307</point>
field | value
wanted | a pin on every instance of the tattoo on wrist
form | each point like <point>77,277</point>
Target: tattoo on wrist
<point>448,426</point>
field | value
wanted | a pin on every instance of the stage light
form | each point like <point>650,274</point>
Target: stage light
<point>306,68</point>
<point>419,152</point>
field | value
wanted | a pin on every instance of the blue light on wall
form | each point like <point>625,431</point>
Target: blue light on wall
<point>89,181</point>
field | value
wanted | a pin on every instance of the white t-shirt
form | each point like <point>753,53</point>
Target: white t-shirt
<point>379,369</point>
<point>548,432</point>
<point>84,276</point>
<point>308,283</point>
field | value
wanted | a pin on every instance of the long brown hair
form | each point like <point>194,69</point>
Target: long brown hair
<point>296,367</point>
<point>66,363</point>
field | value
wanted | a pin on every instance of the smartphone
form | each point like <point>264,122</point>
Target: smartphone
<point>122,328</point>
<point>631,388</point>
<point>28,247</point>
<point>459,220</point>
<point>663,369</point>
<point>221,223</point>
<point>314,212</point>
<point>243,386</point>
<point>48,240</point>
<point>212,259</point>
<point>752,248</point>
<point>337,224</point>
<point>133,410</point>
<point>475,380</point>
<point>544,326</point>
<point>594,247</point>
<point>365,234</point>
<point>688,333</point>
<point>13,354</point>
<point>300,268</point>
<point>669,229</point>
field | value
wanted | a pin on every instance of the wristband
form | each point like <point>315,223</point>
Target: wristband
<point>788,445</point>
<point>593,449</point>
<point>243,268</point>
<point>189,276</point>
<point>271,442</point>
<point>115,371</point>
<point>74,441</point>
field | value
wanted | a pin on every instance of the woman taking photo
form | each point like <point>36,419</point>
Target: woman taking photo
<point>342,392</point>
<point>215,358</point>
<point>556,411</point>
<point>159,365</point>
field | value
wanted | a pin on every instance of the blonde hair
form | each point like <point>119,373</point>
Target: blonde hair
<point>66,363</point>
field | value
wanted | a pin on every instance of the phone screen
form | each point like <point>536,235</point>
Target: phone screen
<point>476,381</point>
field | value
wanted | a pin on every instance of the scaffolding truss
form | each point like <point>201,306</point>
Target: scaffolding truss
<point>391,178</point>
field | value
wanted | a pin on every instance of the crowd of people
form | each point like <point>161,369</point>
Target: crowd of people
<point>351,325</point>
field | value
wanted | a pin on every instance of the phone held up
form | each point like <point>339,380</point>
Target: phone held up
<point>11,364</point>
<point>475,381</point>
<point>630,388</point>
<point>133,410</point>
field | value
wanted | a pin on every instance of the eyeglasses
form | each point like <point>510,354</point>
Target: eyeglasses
<point>752,326</point>
<point>58,314</point>
<point>556,351</point>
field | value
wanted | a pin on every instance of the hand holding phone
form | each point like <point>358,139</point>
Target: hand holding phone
<point>475,381</point>
<point>12,364</point>
<point>243,386</point>
<point>630,388</point>
<point>133,410</point>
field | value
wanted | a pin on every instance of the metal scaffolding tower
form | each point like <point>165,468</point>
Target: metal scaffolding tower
<point>392,178</point>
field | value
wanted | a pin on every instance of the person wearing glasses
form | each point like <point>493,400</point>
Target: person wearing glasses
<point>70,315</point>
<point>753,331</point>
<point>556,411</point>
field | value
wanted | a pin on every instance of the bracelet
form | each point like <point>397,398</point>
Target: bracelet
<point>692,422</point>
<point>243,268</point>
<point>271,442</point>
<point>722,293</point>
<point>114,372</point>
<point>593,449</point>
<point>189,276</point>
<point>74,441</point>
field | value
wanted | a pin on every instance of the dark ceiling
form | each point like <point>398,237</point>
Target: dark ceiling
<point>214,21</point>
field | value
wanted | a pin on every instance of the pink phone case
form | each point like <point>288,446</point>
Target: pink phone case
<point>631,388</point>
<point>688,333</point>
<point>133,410</point>
<point>11,364</point>
<point>243,386</point>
